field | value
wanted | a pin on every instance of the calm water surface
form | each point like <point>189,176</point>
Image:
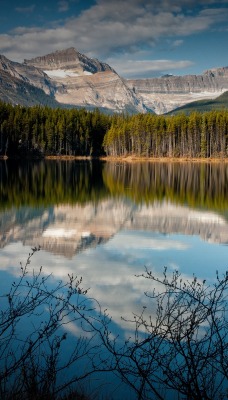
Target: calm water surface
<point>107,221</point>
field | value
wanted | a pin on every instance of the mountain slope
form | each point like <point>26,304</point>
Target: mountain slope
<point>218,103</point>
<point>25,85</point>
<point>170,92</point>
<point>82,81</point>
<point>27,74</point>
<point>17,91</point>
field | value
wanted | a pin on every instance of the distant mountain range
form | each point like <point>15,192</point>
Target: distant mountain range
<point>219,103</point>
<point>67,78</point>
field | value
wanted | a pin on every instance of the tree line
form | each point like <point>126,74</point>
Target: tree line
<point>42,130</point>
<point>196,135</point>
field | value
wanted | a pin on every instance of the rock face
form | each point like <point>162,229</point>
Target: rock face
<point>68,78</point>
<point>169,92</point>
<point>24,85</point>
<point>27,74</point>
<point>82,81</point>
<point>16,91</point>
<point>103,89</point>
<point>71,78</point>
<point>69,59</point>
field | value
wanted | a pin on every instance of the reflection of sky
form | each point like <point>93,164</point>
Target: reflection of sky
<point>109,269</point>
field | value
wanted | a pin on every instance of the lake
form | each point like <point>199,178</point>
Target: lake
<point>107,221</point>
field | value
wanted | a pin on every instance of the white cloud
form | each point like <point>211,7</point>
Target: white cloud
<point>111,29</point>
<point>132,68</point>
<point>128,242</point>
<point>112,276</point>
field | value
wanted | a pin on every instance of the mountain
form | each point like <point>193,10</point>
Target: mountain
<point>170,92</point>
<point>67,78</point>
<point>82,81</point>
<point>27,74</point>
<point>17,91</point>
<point>24,85</point>
<point>220,103</point>
<point>69,61</point>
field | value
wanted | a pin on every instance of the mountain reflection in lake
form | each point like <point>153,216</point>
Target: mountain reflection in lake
<point>107,221</point>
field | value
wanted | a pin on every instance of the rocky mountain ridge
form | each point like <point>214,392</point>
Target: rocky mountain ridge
<point>68,59</point>
<point>170,92</point>
<point>68,77</point>
<point>27,74</point>
<point>17,91</point>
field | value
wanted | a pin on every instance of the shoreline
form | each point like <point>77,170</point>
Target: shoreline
<point>129,159</point>
<point>133,159</point>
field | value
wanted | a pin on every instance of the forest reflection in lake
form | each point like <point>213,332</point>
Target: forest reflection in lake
<point>60,182</point>
<point>163,196</point>
<point>69,207</point>
<point>106,221</point>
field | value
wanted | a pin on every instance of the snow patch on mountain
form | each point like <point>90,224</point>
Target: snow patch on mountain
<point>87,73</point>
<point>63,73</point>
<point>60,73</point>
<point>207,94</point>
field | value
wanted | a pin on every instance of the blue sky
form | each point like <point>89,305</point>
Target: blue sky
<point>138,38</point>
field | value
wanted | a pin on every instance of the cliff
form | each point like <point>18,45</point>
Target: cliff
<point>87,82</point>
<point>169,92</point>
<point>68,59</point>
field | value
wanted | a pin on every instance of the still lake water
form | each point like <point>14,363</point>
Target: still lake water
<point>107,221</point>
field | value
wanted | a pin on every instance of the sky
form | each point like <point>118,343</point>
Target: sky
<point>138,38</point>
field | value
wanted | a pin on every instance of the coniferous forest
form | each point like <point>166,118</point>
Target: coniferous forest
<point>39,131</point>
<point>197,135</point>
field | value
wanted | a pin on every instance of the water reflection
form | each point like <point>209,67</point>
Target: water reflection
<point>69,229</point>
<point>39,184</point>
<point>72,182</point>
<point>194,184</point>
<point>106,221</point>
